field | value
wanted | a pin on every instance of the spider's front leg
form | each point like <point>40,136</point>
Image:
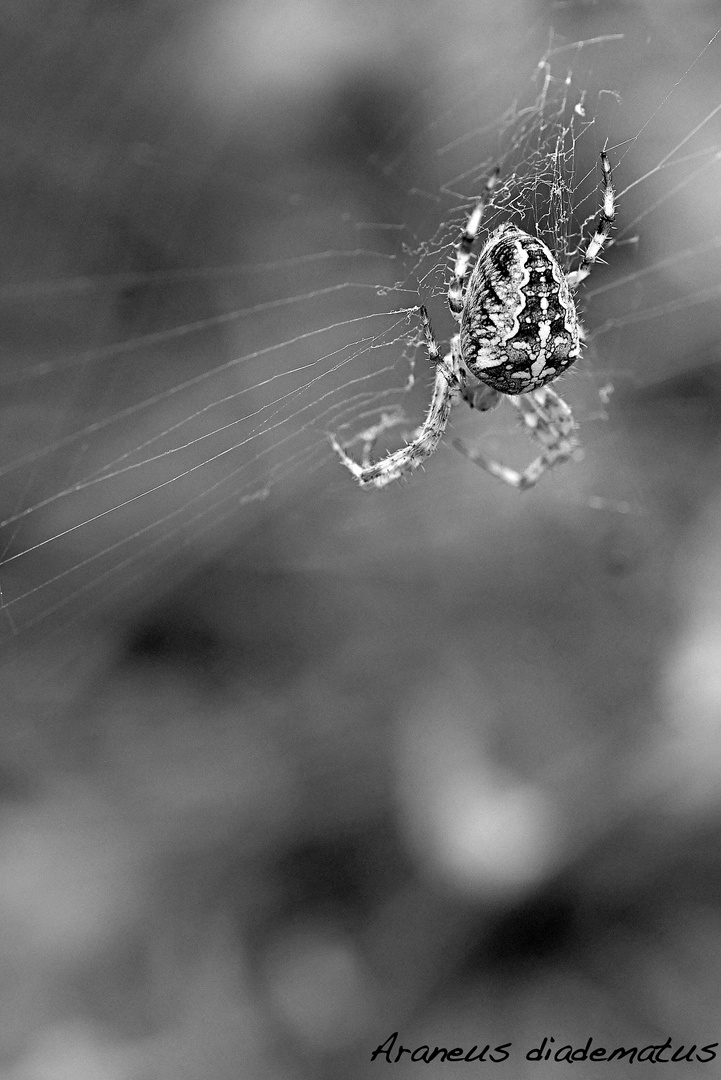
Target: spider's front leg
<point>550,421</point>
<point>370,436</point>
<point>425,439</point>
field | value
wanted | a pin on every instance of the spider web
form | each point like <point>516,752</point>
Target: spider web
<point>148,415</point>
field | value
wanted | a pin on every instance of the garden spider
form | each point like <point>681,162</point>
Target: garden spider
<point>518,332</point>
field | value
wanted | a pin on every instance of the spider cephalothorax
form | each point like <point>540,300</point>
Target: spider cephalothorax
<point>518,332</point>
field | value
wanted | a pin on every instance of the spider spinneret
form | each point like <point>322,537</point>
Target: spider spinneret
<point>519,331</point>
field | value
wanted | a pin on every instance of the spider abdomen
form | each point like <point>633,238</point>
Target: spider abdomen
<point>519,328</point>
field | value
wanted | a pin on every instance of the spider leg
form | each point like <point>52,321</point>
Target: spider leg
<point>370,436</point>
<point>464,248</point>
<point>606,218</point>
<point>550,421</point>
<point>425,438</point>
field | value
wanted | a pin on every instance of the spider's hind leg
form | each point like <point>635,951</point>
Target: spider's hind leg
<point>604,225</point>
<point>464,248</point>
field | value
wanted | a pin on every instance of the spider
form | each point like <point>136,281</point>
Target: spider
<point>518,332</point>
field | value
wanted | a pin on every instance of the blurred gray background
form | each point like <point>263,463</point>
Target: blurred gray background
<point>283,775</point>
